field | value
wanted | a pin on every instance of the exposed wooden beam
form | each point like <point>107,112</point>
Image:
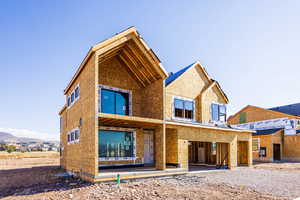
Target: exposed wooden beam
<point>125,61</point>
<point>138,68</point>
<point>141,59</point>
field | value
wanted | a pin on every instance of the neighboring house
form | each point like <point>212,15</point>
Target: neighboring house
<point>119,113</point>
<point>195,117</point>
<point>277,131</point>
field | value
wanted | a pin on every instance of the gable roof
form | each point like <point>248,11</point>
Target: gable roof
<point>263,109</point>
<point>291,109</point>
<point>173,77</point>
<point>267,131</point>
<point>123,37</point>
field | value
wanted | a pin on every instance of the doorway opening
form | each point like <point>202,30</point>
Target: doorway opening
<point>276,152</point>
<point>242,153</point>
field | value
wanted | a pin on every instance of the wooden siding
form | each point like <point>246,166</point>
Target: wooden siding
<point>190,85</point>
<point>82,156</point>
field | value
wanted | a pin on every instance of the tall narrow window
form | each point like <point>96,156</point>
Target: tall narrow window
<point>183,109</point>
<point>179,108</point>
<point>218,112</point>
<point>77,92</point>
<point>114,102</point>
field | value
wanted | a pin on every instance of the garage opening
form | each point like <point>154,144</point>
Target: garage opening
<point>242,153</point>
<point>207,155</point>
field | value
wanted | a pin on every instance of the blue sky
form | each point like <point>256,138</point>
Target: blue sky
<point>250,47</point>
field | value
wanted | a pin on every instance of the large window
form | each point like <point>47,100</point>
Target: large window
<point>183,109</point>
<point>116,145</point>
<point>218,112</point>
<point>114,102</point>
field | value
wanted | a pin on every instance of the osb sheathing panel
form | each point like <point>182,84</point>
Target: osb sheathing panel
<point>257,114</point>
<point>268,141</point>
<point>183,153</point>
<point>171,146</point>
<point>146,101</point>
<point>82,156</point>
<point>190,85</point>
<point>63,138</point>
<point>139,151</point>
<point>160,147</point>
<point>291,150</point>
<point>208,135</point>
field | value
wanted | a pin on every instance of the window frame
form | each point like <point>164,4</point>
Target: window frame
<point>129,92</point>
<point>183,118</point>
<point>134,157</point>
<point>258,144</point>
<point>219,105</point>
<point>70,103</point>
<point>69,136</point>
<point>265,155</point>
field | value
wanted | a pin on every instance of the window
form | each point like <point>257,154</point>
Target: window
<point>73,136</point>
<point>218,112</point>
<point>184,109</point>
<point>76,134</point>
<point>116,145</point>
<point>255,144</point>
<point>77,92</point>
<point>263,152</point>
<point>60,124</point>
<point>242,117</point>
<point>69,101</point>
<point>114,102</point>
<point>74,96</point>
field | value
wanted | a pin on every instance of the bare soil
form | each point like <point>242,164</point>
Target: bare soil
<point>248,183</point>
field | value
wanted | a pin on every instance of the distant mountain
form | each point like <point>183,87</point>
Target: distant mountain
<point>8,137</point>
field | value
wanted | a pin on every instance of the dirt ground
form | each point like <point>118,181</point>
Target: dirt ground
<point>40,183</point>
<point>19,160</point>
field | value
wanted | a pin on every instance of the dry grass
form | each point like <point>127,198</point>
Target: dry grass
<point>18,155</point>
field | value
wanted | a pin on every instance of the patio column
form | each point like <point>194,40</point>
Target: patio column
<point>233,153</point>
<point>160,147</point>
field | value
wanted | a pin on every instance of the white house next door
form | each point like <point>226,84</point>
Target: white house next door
<point>148,147</point>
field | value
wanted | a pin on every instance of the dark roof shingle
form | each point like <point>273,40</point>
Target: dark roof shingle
<point>174,76</point>
<point>292,109</point>
<point>267,131</point>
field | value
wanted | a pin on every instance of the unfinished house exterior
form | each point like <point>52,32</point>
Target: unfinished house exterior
<point>277,131</point>
<point>195,118</point>
<point>119,112</point>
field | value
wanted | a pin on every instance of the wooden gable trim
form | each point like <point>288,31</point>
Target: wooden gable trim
<point>119,39</point>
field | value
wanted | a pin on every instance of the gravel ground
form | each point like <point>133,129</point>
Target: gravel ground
<point>278,182</point>
<point>265,181</point>
<point>170,188</point>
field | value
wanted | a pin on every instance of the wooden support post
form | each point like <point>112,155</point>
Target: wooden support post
<point>160,147</point>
